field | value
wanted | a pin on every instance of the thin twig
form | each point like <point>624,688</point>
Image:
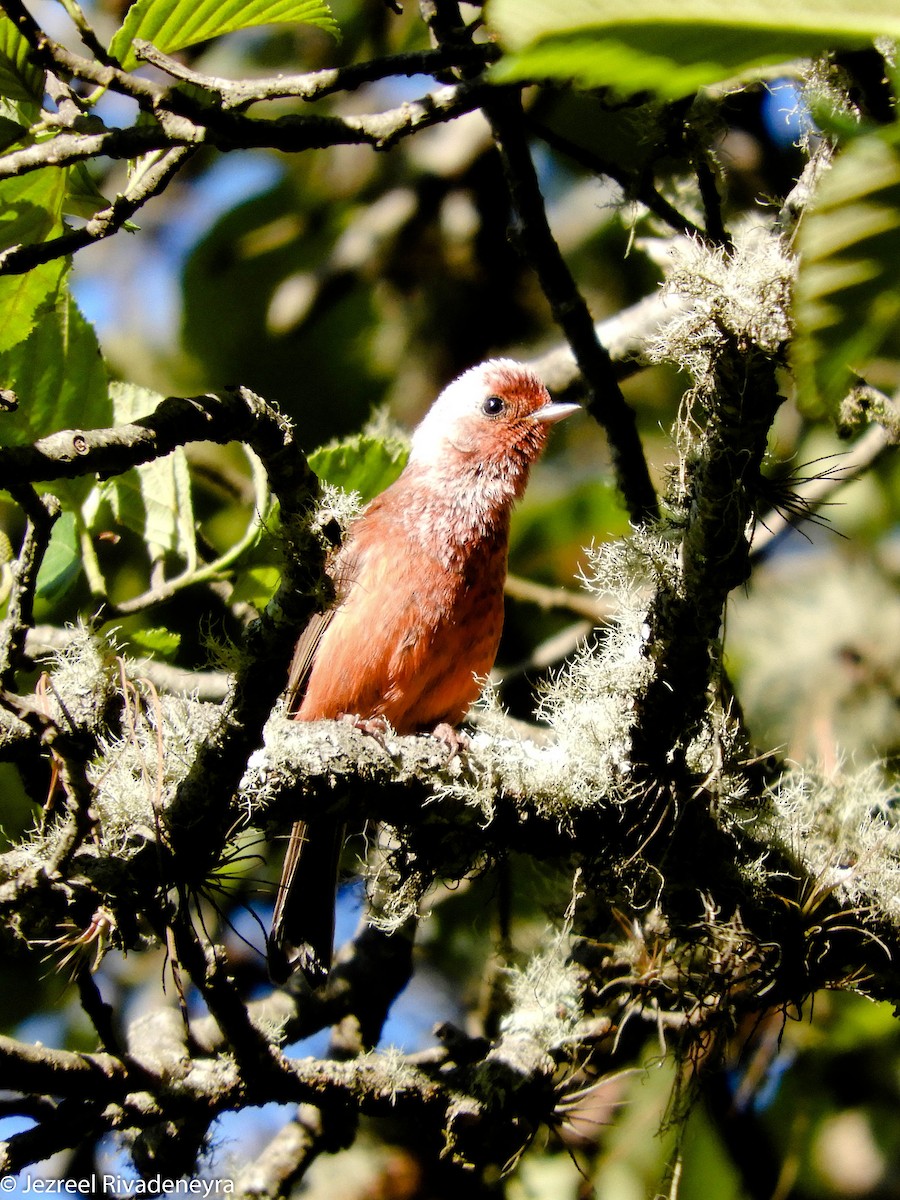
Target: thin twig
<point>205,965</point>
<point>85,30</point>
<point>291,133</point>
<point>42,513</point>
<point>53,56</point>
<point>535,238</point>
<point>236,94</point>
<point>143,186</point>
<point>711,201</point>
<point>100,1013</point>
<point>558,599</point>
<point>636,185</point>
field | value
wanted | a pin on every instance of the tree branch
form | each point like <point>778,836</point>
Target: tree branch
<point>42,514</point>
<point>40,1069</point>
<point>284,1160</point>
<point>235,94</point>
<point>231,415</point>
<point>144,185</point>
<point>534,236</point>
<point>636,185</point>
<point>290,134</point>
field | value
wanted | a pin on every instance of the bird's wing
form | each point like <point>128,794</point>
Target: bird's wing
<point>342,571</point>
<point>304,653</point>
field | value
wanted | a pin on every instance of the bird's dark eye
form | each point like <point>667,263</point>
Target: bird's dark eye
<point>493,406</point>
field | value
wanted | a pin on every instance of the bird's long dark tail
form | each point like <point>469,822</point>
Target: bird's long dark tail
<point>303,922</point>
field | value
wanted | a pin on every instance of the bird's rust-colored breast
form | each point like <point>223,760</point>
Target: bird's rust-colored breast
<point>412,635</point>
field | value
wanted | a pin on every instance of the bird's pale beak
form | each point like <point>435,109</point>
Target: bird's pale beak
<point>551,413</point>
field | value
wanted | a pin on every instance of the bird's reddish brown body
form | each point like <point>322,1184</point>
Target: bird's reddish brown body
<point>419,596</point>
<point>420,622</point>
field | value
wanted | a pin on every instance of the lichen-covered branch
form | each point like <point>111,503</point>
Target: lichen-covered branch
<point>476,1107</point>
<point>731,341</point>
<point>721,484</point>
<point>451,815</point>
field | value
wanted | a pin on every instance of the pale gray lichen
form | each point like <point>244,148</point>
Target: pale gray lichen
<point>842,831</point>
<point>591,704</point>
<point>745,293</point>
<point>545,997</point>
<point>83,677</point>
<point>135,774</point>
<point>335,505</point>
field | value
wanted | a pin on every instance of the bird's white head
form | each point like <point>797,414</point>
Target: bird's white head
<point>493,420</point>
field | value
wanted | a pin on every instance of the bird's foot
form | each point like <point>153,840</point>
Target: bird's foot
<point>376,727</point>
<point>454,739</point>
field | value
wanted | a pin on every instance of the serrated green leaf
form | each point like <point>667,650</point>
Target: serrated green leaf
<point>365,463</point>
<point>652,45</point>
<point>30,212</point>
<point>60,380</point>
<point>148,501</point>
<point>22,297</point>
<point>20,79</point>
<point>31,206</point>
<point>157,640</point>
<point>846,303</point>
<point>173,24</point>
<point>153,500</point>
<point>62,562</point>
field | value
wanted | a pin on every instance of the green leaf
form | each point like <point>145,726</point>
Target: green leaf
<point>153,500</point>
<point>256,585</point>
<point>846,303</point>
<point>173,24</point>
<point>60,379</point>
<point>83,198</point>
<point>365,463</point>
<point>11,131</point>
<point>651,45</point>
<point>157,640</point>
<point>62,562</point>
<point>522,21</point>
<point>31,206</point>
<point>30,212</point>
<point>20,79</point>
<point>22,297</point>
